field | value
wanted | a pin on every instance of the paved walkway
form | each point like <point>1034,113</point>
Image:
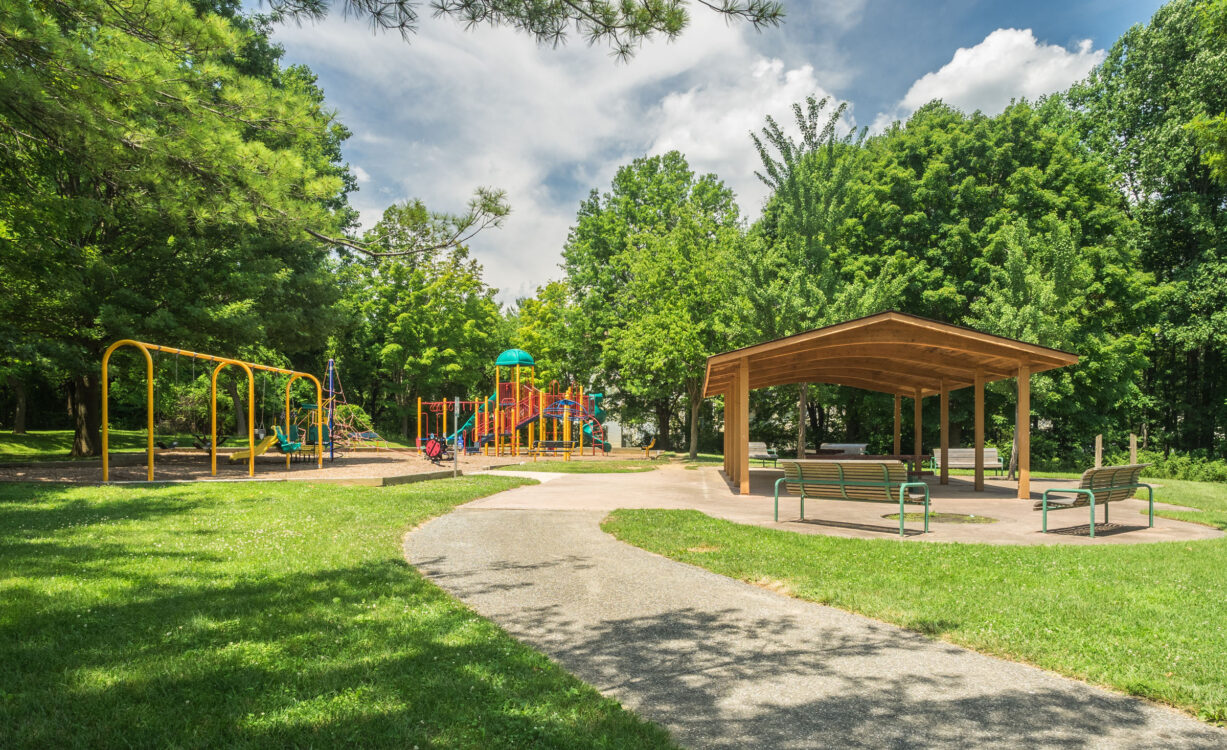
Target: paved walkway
<point>725,664</point>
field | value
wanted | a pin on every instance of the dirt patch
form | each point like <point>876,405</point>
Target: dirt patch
<point>704,548</point>
<point>773,584</point>
<point>944,517</point>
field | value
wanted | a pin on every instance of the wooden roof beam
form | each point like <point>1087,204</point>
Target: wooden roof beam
<point>881,363</point>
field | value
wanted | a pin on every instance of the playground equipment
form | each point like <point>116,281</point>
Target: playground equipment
<point>347,427</point>
<point>223,362</point>
<point>518,415</point>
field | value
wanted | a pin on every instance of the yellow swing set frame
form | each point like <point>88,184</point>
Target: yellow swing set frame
<point>223,362</point>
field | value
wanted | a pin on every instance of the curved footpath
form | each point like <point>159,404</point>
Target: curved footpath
<point>721,663</point>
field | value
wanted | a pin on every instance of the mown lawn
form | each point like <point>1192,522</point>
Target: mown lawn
<point>1147,619</point>
<point>593,466</point>
<point>55,445</point>
<point>262,615</point>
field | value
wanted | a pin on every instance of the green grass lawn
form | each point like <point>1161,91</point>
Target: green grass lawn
<point>55,445</point>
<point>262,615</point>
<point>701,460</point>
<point>596,466</point>
<point>1147,619</point>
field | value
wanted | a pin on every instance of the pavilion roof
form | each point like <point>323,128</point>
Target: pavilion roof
<point>890,352</point>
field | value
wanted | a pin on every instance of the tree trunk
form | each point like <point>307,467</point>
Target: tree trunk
<point>85,405</point>
<point>404,423</point>
<point>817,420</point>
<point>802,414</point>
<point>696,404</point>
<point>663,412</point>
<point>18,387</point>
<point>240,407</point>
<point>1014,457</point>
<point>852,420</point>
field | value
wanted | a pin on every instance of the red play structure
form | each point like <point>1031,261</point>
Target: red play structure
<point>518,418</point>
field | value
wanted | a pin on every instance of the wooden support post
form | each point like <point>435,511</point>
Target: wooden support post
<point>979,445</point>
<point>1024,432</point>
<point>945,436</point>
<point>743,427</point>
<point>1098,451</point>
<point>728,432</point>
<point>1133,450</point>
<point>917,435</point>
<point>898,426</point>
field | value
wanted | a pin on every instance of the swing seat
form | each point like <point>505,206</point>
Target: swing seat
<point>202,443</point>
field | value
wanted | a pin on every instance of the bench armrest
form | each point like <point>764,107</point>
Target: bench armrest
<point>903,488</point>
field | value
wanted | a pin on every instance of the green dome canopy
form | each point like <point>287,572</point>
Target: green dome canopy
<point>513,357</point>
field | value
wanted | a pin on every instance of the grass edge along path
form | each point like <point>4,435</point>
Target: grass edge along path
<point>1148,619</point>
<point>263,615</point>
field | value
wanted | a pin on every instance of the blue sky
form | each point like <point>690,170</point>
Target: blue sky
<point>450,109</point>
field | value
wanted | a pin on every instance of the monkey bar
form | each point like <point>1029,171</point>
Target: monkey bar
<point>223,362</point>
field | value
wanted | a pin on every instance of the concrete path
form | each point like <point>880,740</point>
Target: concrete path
<point>725,664</point>
<point>705,489</point>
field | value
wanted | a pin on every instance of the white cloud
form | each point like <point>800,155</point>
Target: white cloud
<point>1008,64</point>
<point>360,174</point>
<point>711,123</point>
<point>451,110</point>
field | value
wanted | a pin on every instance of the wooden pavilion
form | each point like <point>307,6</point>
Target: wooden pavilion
<point>905,355</point>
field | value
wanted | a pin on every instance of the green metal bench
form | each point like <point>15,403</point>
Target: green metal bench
<point>1106,484</point>
<point>861,481</point>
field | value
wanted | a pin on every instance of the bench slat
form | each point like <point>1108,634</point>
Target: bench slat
<point>1109,483</point>
<point>846,480</point>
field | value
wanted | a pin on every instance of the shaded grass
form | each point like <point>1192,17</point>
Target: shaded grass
<point>701,460</point>
<point>596,466</point>
<point>1147,619</point>
<point>55,445</point>
<point>262,615</point>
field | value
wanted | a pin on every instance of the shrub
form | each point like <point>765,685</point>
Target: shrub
<point>1175,466</point>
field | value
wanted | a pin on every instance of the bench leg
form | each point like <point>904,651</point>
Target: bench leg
<point>1044,528</point>
<point>1106,506</point>
<point>1092,516</point>
<point>1150,491</point>
<point>777,499</point>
